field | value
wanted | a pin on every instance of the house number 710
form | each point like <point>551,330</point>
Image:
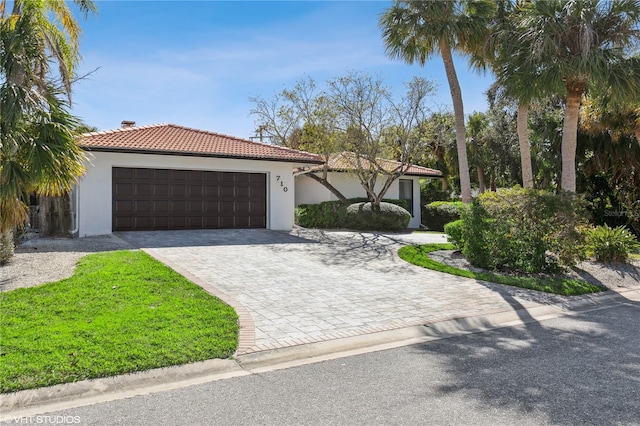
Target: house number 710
<point>284,188</point>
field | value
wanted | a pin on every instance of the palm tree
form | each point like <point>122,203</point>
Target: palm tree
<point>570,45</point>
<point>477,126</point>
<point>58,32</point>
<point>517,83</point>
<point>415,30</point>
<point>38,150</point>
<point>602,113</point>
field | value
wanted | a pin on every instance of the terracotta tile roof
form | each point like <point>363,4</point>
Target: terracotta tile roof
<point>178,140</point>
<point>346,161</point>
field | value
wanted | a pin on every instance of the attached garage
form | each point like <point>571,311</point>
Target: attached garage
<point>151,199</point>
<point>173,177</point>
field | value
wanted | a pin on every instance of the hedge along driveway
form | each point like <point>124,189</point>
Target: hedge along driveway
<point>120,312</point>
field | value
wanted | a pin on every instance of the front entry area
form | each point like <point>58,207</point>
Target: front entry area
<point>156,199</point>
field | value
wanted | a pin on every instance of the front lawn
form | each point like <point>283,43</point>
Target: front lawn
<point>418,255</point>
<point>120,312</point>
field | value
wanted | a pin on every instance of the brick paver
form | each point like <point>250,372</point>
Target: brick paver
<point>310,286</point>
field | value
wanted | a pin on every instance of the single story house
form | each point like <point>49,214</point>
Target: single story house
<point>341,175</point>
<point>172,177</point>
<point>166,176</point>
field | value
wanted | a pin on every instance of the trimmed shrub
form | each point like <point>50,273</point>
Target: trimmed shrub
<point>330,214</point>
<point>366,217</point>
<point>524,230</point>
<point>455,233</point>
<point>437,214</point>
<point>607,244</point>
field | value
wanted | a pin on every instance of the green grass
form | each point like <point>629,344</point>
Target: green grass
<point>417,255</point>
<point>120,312</point>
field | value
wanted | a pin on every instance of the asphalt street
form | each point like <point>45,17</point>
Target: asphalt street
<point>582,369</point>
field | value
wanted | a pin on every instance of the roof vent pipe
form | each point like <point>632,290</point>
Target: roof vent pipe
<point>126,123</point>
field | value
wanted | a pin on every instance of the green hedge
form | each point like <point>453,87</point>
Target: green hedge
<point>437,214</point>
<point>455,233</point>
<point>524,230</point>
<point>389,217</point>
<point>331,214</point>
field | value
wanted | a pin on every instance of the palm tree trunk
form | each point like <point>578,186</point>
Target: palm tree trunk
<point>525,150</point>
<point>481,186</point>
<point>569,139</point>
<point>442,166</point>
<point>55,216</point>
<point>458,111</point>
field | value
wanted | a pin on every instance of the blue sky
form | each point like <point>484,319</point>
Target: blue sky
<point>197,63</point>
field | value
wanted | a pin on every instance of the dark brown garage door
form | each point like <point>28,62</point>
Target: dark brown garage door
<point>147,199</point>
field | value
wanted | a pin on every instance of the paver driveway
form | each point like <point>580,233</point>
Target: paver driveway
<point>309,286</point>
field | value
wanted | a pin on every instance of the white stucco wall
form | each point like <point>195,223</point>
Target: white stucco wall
<point>308,191</point>
<point>95,186</point>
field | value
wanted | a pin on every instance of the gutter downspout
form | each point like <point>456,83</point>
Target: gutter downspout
<point>76,212</point>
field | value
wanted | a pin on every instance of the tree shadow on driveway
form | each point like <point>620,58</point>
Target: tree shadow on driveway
<point>365,250</point>
<point>208,237</point>
<point>578,369</point>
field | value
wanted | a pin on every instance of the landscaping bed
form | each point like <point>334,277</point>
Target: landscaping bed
<point>420,255</point>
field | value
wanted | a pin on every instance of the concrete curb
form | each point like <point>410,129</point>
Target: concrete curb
<point>87,392</point>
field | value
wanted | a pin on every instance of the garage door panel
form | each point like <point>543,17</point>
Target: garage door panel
<point>144,223</point>
<point>194,191</point>
<point>226,178</point>
<point>179,175</point>
<point>210,191</point>
<point>258,192</point>
<point>227,190</point>
<point>161,222</point>
<point>161,190</point>
<point>121,173</point>
<point>144,174</point>
<point>178,190</point>
<point>194,176</point>
<point>178,222</point>
<point>144,207</point>
<point>179,206</point>
<point>161,207</point>
<point>226,207</point>
<point>124,206</point>
<point>187,199</point>
<point>243,191</point>
<point>195,208</point>
<point>258,178</point>
<point>123,189</point>
<point>123,223</point>
<point>258,209</point>
<point>162,174</point>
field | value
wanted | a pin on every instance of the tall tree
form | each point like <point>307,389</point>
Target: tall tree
<point>415,30</point>
<point>356,118</point>
<point>57,32</point>
<point>570,45</point>
<point>497,53</point>
<point>38,150</point>
<point>477,129</point>
<point>439,137</point>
